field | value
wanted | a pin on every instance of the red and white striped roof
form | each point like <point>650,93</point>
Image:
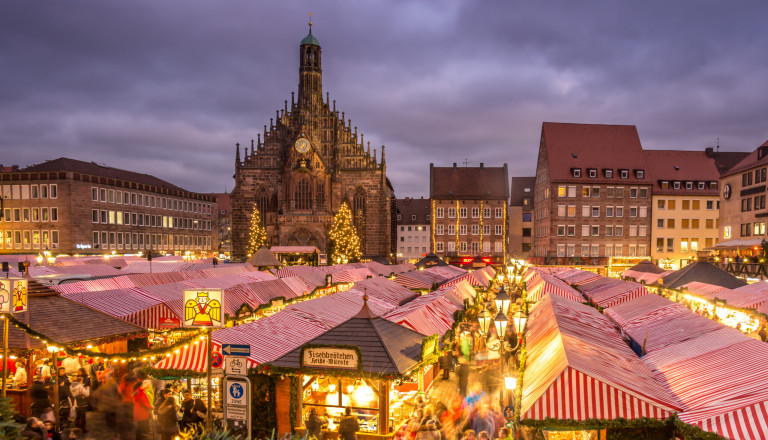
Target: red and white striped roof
<point>703,289</point>
<point>750,296</point>
<point>608,292</point>
<point>742,418</point>
<point>96,270</point>
<point>579,367</point>
<point>385,290</point>
<point>428,314</point>
<point>549,285</point>
<point>576,277</point>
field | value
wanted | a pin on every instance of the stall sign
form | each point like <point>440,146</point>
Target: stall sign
<point>329,357</point>
<point>322,259</point>
<point>169,323</point>
<point>235,365</point>
<point>237,390</point>
<point>202,308</point>
<point>13,295</point>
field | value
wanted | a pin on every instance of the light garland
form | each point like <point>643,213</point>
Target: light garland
<point>458,216</point>
<point>504,228</point>
<point>258,234</point>
<point>481,227</point>
<point>434,243</point>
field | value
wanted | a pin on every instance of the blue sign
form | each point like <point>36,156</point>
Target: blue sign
<point>236,350</point>
<point>236,390</point>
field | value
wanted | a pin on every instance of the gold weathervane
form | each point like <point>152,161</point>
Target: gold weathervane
<point>310,22</point>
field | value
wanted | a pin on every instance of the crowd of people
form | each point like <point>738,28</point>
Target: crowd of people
<point>134,406</point>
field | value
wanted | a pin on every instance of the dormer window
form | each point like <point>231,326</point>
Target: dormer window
<point>608,173</point>
<point>624,174</point>
<point>429,217</point>
<point>592,173</point>
<point>712,185</point>
<point>576,172</point>
<point>688,185</point>
<point>640,174</point>
<point>761,152</point>
<point>665,185</point>
<point>413,218</point>
<point>676,185</point>
<point>702,185</point>
<point>399,217</point>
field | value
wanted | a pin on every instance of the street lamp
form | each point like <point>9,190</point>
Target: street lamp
<point>519,319</point>
<point>502,301</point>
<point>500,323</point>
<point>484,318</point>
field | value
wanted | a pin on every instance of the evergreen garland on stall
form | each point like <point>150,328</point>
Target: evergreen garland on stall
<point>257,235</point>
<point>343,241</point>
<point>263,407</point>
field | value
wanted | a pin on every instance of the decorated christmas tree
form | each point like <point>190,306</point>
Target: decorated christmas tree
<point>8,428</point>
<point>344,244</point>
<point>257,234</point>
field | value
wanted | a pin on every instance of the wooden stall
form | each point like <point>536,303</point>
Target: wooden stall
<point>360,364</point>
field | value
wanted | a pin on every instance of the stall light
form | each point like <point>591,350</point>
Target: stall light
<point>89,346</point>
<point>315,386</point>
<point>484,318</point>
<point>332,387</point>
<point>510,382</point>
<point>350,389</point>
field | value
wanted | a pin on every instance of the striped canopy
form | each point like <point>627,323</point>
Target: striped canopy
<point>578,367</point>
<point>608,292</point>
<point>549,285</point>
<point>577,277</point>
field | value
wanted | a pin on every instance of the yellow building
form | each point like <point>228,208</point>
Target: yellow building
<point>685,205</point>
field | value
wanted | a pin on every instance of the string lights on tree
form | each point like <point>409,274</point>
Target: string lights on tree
<point>257,233</point>
<point>344,242</point>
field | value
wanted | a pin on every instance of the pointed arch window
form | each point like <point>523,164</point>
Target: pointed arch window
<point>303,194</point>
<point>320,194</point>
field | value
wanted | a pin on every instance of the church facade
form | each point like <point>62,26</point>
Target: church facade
<point>308,161</point>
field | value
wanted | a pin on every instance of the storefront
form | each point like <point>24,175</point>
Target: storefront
<point>353,366</point>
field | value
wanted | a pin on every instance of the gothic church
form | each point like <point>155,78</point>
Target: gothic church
<point>309,161</point>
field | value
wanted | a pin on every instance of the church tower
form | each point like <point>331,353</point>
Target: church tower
<point>306,163</point>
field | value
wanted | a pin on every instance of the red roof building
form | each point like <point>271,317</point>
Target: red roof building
<point>469,213</point>
<point>592,195</point>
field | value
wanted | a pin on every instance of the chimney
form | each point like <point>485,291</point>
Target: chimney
<point>710,152</point>
<point>454,165</point>
<point>482,165</point>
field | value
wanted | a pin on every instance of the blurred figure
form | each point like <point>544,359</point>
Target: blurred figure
<point>314,424</point>
<point>428,431</point>
<point>483,421</point>
<point>34,430</point>
<point>482,435</point>
<point>124,411</point>
<point>462,371</point>
<point>52,433</point>
<point>108,400</point>
<point>193,411</point>
<point>142,409</point>
<point>349,425</point>
<point>80,395</point>
<point>40,400</point>
<point>96,373</point>
<point>469,435</point>
<point>505,434</point>
<point>446,364</point>
<point>167,419</point>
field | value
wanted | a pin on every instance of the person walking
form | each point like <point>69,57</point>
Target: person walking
<point>193,411</point>
<point>167,420</point>
<point>446,364</point>
<point>349,426</point>
<point>80,395</point>
<point>463,372</point>
<point>314,424</point>
<point>142,408</point>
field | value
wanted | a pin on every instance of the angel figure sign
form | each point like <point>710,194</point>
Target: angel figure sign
<point>19,295</point>
<point>202,308</point>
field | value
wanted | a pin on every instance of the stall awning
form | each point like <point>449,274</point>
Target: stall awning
<point>580,368</point>
<point>577,277</point>
<point>549,285</point>
<point>612,291</point>
<point>739,244</point>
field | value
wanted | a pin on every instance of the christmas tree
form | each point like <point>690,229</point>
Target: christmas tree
<point>8,428</point>
<point>257,234</point>
<point>344,243</point>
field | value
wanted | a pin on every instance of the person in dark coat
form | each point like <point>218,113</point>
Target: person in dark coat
<point>463,372</point>
<point>34,429</point>
<point>348,426</point>
<point>193,411</point>
<point>446,364</point>
<point>40,400</point>
<point>314,424</point>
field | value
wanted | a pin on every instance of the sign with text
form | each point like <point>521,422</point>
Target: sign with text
<point>329,357</point>
<point>203,308</point>
<point>169,323</point>
<point>235,365</point>
<point>237,402</point>
<point>237,390</point>
<point>236,349</point>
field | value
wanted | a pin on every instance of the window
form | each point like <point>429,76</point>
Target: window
<point>462,229</point>
<point>642,230</point>
<point>586,191</point>
<point>95,216</point>
<point>302,194</point>
<point>595,250</point>
<point>451,212</point>
<point>620,192</point>
<point>439,212</point>
<point>595,211</point>
<point>95,194</point>
<point>562,191</point>
<point>463,246</point>
<point>572,191</point>
<point>475,230</point>
<point>609,231</point>
<point>609,191</point>
<point>451,229</point>
<point>486,212</point>
<point>497,246</point>
<point>576,172</point>
<point>486,229</point>
<point>439,246</point>
<point>608,173</point>
<point>608,250</point>
<point>618,231</point>
<point>571,250</point>
<point>670,223</point>
<point>463,212</point>
<point>701,185</point>
<point>54,194</point>
<point>665,185</point>
<point>571,211</point>
<point>526,217</point>
<point>619,211</point>
<point>686,204</point>
<point>746,179</point>
<point>710,223</point>
<point>683,245</point>
<point>595,231</point>
<point>561,230</point>
<point>451,246</point>
<point>499,230</point>
<point>561,210</point>
<point>585,230</point>
<point>413,218</point>
<point>103,194</point>
<point>43,191</point>
<point>633,193</point>
<point>25,214</point>
<point>560,250</point>
<point>659,245</point>
<point>438,229</point>
<point>475,212</point>
<point>571,230</point>
<point>499,212</point>
<point>111,196</point>
<point>624,174</point>
<point>584,250</point>
<point>54,214</point>
<point>642,193</point>
<point>585,211</point>
<point>727,232</point>
<point>592,173</point>
<point>745,229</point>
<point>688,185</point>
<point>633,211</point>
<point>633,230</point>
<point>640,174</point>
<point>759,228</point>
<point>609,211</point>
<point>694,223</point>
<point>746,204</point>
<point>671,204</point>
<point>695,204</point>
<point>660,223</point>
<point>643,211</point>
<point>595,191</point>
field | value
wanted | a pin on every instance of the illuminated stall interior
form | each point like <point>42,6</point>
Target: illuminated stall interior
<point>380,380</point>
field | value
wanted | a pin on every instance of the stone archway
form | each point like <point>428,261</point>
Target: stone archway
<point>304,237</point>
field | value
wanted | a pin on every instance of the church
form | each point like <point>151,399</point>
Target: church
<point>307,162</point>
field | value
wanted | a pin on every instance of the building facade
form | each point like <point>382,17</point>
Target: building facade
<point>592,197</point>
<point>743,213</point>
<point>413,229</point>
<point>310,160</point>
<point>469,213</point>
<point>685,205</point>
<point>521,217</point>
<point>74,207</point>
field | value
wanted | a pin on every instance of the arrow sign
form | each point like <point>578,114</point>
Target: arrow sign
<point>236,350</point>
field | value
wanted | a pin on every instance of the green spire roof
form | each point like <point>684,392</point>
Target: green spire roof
<point>310,39</point>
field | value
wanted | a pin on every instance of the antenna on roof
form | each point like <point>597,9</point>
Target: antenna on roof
<point>467,162</point>
<point>718,144</point>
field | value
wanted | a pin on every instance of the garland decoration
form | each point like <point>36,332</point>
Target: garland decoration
<point>294,405</point>
<point>77,349</point>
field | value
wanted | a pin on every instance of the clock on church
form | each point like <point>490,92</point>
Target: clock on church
<point>302,145</point>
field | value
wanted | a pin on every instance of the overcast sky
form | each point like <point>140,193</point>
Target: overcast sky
<point>168,87</point>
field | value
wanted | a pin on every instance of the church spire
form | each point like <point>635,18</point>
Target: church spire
<point>310,72</point>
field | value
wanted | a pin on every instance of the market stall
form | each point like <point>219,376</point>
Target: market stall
<point>355,364</point>
<point>607,292</point>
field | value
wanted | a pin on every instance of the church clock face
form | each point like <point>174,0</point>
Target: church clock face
<point>302,145</point>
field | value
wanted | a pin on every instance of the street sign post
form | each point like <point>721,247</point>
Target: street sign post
<point>237,401</point>
<point>217,360</point>
<point>235,366</point>
<point>236,349</point>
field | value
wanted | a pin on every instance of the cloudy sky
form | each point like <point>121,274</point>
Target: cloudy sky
<point>168,87</point>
